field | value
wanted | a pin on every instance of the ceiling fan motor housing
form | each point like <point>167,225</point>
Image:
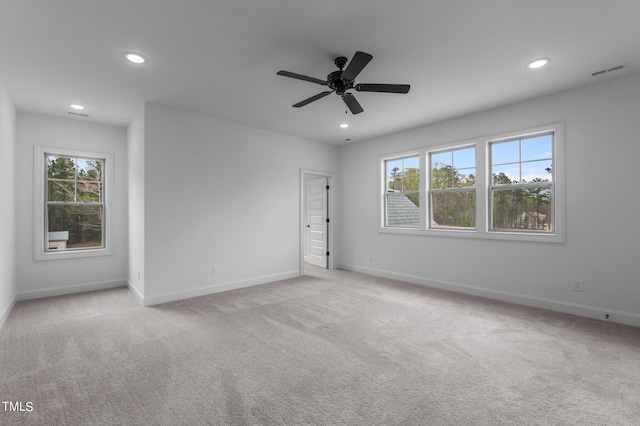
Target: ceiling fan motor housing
<point>338,84</point>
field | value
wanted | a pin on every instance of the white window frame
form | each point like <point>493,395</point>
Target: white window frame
<point>385,192</point>
<point>429,191</point>
<point>538,185</point>
<point>483,190</point>
<point>40,230</point>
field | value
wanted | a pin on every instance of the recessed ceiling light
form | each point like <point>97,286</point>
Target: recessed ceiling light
<point>135,58</point>
<point>77,107</point>
<point>344,125</point>
<point>538,63</point>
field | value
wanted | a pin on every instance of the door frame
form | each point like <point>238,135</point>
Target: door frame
<point>331,214</point>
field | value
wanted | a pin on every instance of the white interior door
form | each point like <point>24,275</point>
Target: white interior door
<point>317,225</point>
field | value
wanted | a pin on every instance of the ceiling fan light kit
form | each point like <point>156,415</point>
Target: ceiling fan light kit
<point>343,80</point>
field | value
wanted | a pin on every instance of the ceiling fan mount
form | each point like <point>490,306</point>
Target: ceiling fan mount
<point>343,80</point>
<point>340,62</point>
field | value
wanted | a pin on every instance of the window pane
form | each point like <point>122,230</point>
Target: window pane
<point>506,174</point>
<point>403,210</point>
<point>441,159</point>
<point>411,181</point>
<point>464,158</point>
<point>394,176</point>
<point>72,227</point>
<point>89,169</point>
<point>537,148</point>
<point>442,177</point>
<point>442,170</point>
<point>60,191</point>
<point>89,192</point>
<point>411,168</point>
<point>411,162</point>
<point>505,152</point>
<point>522,209</point>
<point>454,209</point>
<point>61,167</point>
<point>465,177</point>
<point>537,171</point>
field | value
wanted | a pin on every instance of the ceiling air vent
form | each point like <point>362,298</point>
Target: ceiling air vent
<point>75,113</point>
<point>616,68</point>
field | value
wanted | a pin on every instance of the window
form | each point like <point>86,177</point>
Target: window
<point>522,184</point>
<point>502,187</point>
<point>71,215</point>
<point>402,192</point>
<point>453,188</point>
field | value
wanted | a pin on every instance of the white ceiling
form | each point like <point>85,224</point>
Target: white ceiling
<point>220,58</point>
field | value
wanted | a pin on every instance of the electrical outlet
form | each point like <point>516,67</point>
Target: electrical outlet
<point>578,285</point>
<point>370,257</point>
<point>138,275</point>
<point>214,270</point>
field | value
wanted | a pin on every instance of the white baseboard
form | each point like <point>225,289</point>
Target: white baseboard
<point>621,317</point>
<point>79,288</point>
<point>135,292</point>
<point>4,313</point>
<point>218,288</point>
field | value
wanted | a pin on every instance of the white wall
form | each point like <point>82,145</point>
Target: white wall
<point>7,204</point>
<point>218,193</point>
<point>52,277</point>
<point>602,152</point>
<point>135,157</point>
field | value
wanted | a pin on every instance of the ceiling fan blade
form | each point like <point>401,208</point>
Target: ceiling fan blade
<point>387,88</point>
<point>302,77</point>
<point>352,103</point>
<point>311,99</point>
<point>357,64</point>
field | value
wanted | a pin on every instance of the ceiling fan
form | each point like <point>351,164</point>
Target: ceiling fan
<point>343,80</point>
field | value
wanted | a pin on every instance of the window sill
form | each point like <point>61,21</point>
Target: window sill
<point>474,234</point>
<point>52,255</point>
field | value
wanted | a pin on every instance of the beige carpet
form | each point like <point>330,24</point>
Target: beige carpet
<point>329,348</point>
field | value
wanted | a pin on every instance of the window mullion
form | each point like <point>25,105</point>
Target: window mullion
<point>425,199</point>
<point>70,203</point>
<point>458,189</point>
<point>481,187</point>
<point>75,181</point>
<point>531,185</point>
